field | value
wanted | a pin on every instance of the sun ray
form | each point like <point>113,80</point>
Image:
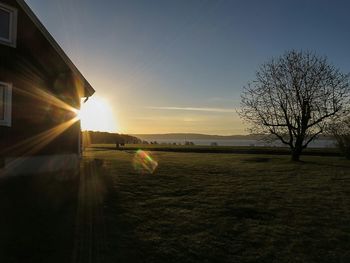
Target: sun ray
<point>45,97</point>
<point>35,143</point>
<point>32,145</point>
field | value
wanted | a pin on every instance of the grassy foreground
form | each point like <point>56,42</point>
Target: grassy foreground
<point>37,217</point>
<point>226,208</point>
<point>196,207</point>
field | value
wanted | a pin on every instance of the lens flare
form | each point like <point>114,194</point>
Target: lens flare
<point>144,163</point>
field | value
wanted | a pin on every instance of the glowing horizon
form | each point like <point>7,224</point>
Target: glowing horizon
<point>96,114</point>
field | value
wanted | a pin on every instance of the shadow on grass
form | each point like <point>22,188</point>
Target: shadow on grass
<point>37,217</point>
<point>257,160</point>
<point>335,165</point>
<point>248,213</point>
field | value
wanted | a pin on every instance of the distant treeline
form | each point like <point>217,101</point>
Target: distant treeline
<point>95,137</point>
<point>196,136</point>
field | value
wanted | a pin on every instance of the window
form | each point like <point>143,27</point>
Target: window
<point>8,25</point>
<point>5,104</point>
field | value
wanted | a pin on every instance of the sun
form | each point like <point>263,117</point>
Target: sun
<point>97,115</point>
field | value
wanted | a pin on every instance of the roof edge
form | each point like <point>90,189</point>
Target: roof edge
<point>89,90</point>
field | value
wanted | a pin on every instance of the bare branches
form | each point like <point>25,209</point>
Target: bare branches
<point>340,129</point>
<point>294,97</point>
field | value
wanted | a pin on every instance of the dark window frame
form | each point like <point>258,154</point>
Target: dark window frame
<point>11,41</point>
<point>6,119</point>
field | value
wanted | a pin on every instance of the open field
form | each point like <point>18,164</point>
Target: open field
<point>227,208</point>
<point>196,207</point>
<point>220,149</point>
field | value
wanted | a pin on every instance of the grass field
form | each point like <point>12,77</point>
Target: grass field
<point>195,207</point>
<point>220,149</point>
<point>227,208</point>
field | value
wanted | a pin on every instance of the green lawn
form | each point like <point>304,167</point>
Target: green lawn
<point>195,207</point>
<point>226,208</point>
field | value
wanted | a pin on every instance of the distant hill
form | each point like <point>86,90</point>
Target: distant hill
<point>95,137</point>
<point>197,136</point>
<point>194,136</point>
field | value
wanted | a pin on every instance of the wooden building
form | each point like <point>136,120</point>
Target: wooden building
<point>40,94</point>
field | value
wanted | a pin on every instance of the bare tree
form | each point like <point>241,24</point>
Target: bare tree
<point>340,129</point>
<point>294,97</point>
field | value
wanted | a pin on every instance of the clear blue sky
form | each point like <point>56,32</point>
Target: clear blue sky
<point>179,66</point>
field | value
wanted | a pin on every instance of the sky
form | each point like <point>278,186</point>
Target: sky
<point>168,66</point>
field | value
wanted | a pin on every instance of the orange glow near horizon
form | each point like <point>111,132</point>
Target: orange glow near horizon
<point>96,115</point>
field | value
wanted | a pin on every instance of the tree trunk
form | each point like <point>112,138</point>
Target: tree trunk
<point>296,152</point>
<point>295,156</point>
<point>298,148</point>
